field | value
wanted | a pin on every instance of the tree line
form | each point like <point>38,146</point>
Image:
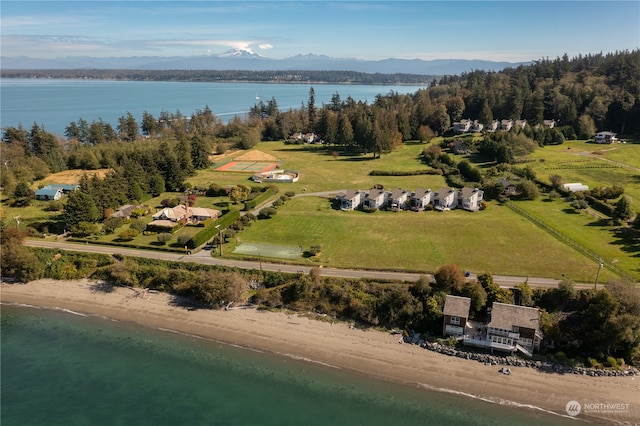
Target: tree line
<point>288,76</point>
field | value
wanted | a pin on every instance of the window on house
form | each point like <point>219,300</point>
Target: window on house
<point>455,320</point>
<point>526,342</point>
<point>516,329</point>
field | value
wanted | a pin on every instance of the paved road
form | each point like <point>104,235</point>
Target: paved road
<point>204,257</point>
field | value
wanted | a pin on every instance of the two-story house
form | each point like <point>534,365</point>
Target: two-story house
<point>470,199</point>
<point>462,126</point>
<point>445,199</point>
<point>397,198</point>
<point>455,313</point>
<point>351,200</point>
<point>514,328</point>
<point>375,199</point>
<point>420,199</point>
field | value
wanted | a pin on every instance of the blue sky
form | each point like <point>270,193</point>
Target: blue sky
<point>500,31</point>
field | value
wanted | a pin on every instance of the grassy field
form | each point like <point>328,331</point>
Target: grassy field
<point>494,240</point>
<point>593,165</point>
<point>320,171</point>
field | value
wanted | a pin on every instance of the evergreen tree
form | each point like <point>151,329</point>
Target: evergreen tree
<point>79,207</point>
<point>200,153</point>
<point>623,210</point>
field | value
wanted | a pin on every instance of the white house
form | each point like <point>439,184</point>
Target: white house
<point>477,126</point>
<point>420,199</point>
<point>375,199</point>
<point>462,126</point>
<point>351,200</point>
<point>397,198</point>
<point>492,127</point>
<point>470,199</point>
<point>506,125</point>
<point>605,137</point>
<point>172,214</point>
<point>445,199</point>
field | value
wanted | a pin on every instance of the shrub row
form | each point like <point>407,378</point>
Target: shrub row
<point>405,173</point>
<point>127,245</point>
<point>209,231</point>
<point>264,196</point>
<point>600,205</point>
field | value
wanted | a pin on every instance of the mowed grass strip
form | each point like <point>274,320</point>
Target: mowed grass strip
<point>495,240</point>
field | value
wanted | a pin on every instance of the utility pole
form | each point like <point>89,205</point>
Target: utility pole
<point>600,265</point>
<point>219,238</point>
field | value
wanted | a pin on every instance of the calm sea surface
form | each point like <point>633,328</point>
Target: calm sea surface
<point>56,103</point>
<point>60,368</point>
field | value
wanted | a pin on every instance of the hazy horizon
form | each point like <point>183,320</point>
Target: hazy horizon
<point>503,31</point>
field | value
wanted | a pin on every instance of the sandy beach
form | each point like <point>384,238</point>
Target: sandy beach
<point>369,352</point>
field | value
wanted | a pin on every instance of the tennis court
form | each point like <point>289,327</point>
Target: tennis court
<point>246,166</point>
<point>269,250</point>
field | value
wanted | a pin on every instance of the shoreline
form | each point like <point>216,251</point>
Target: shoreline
<point>337,345</point>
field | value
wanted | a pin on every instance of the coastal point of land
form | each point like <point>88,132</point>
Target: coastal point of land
<point>340,345</point>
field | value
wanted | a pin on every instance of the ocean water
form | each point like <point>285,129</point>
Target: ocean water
<point>56,103</point>
<point>60,368</point>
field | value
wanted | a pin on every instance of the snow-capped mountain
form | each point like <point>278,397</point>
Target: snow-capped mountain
<point>240,53</point>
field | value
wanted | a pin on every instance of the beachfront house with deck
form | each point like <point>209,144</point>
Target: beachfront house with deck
<point>455,315</point>
<point>514,328</point>
<point>510,328</point>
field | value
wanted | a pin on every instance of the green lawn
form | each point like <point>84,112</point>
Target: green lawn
<point>587,230</point>
<point>494,240</point>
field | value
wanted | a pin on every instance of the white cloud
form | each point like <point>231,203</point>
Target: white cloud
<point>265,46</point>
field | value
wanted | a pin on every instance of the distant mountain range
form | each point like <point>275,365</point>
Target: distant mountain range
<point>245,59</point>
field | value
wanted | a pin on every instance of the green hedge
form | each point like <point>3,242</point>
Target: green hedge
<point>128,245</point>
<point>210,231</point>
<point>600,205</point>
<point>264,196</point>
<point>405,173</point>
